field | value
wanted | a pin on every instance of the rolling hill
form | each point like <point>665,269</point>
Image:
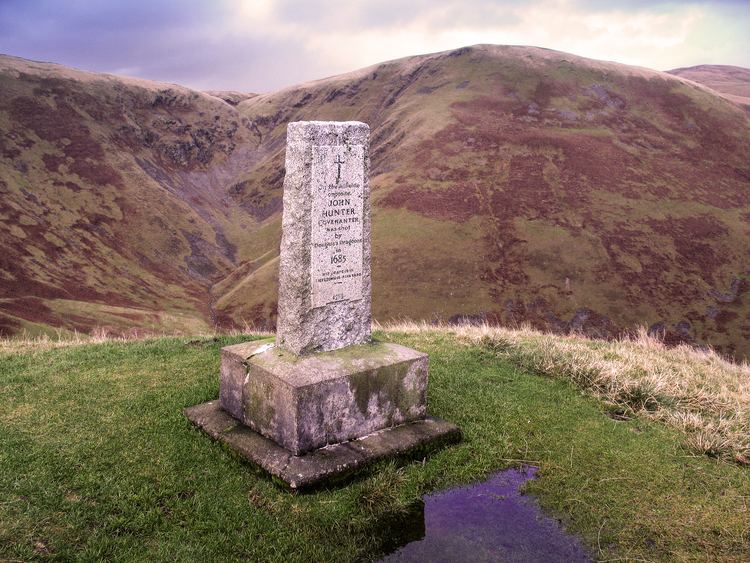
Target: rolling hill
<point>732,82</point>
<point>510,185</point>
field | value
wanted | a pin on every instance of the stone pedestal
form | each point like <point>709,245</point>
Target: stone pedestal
<point>305,403</point>
<point>308,419</point>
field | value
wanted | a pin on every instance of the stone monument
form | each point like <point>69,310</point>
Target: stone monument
<point>323,399</point>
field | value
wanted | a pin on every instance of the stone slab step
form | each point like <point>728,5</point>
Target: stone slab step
<point>327,463</point>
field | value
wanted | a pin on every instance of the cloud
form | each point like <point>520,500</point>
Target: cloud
<point>389,14</point>
<point>260,45</point>
<point>171,40</point>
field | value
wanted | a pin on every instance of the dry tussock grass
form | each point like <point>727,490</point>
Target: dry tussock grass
<point>696,391</point>
<point>27,343</point>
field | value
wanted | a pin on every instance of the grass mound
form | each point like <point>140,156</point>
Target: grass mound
<point>98,462</point>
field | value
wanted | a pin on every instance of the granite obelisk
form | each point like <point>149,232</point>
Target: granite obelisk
<point>324,271</point>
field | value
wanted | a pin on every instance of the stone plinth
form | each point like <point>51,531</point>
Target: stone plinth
<point>307,402</point>
<point>413,439</point>
<point>324,268</point>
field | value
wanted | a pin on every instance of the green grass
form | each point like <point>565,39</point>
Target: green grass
<point>457,286</point>
<point>98,462</point>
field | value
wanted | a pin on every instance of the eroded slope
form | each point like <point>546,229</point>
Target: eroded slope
<point>115,199</point>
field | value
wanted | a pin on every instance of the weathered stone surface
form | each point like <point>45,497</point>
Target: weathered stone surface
<point>385,444</point>
<point>233,373</point>
<point>326,463</point>
<point>324,270</point>
<point>306,402</point>
<point>218,424</point>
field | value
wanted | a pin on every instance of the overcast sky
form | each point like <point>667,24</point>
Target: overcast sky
<point>262,45</point>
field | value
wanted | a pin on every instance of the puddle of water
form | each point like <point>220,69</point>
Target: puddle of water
<point>490,521</point>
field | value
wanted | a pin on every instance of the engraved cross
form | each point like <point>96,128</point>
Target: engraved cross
<point>339,162</point>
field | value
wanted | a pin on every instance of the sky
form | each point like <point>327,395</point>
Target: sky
<point>263,45</point>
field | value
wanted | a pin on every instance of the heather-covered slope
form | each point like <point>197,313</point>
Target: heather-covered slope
<point>115,200</point>
<point>732,82</point>
<point>519,184</point>
<point>510,184</point>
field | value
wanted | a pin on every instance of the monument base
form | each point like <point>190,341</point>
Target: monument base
<point>307,402</point>
<point>307,419</point>
<point>327,463</point>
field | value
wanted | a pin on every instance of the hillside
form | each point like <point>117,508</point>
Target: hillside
<point>116,200</point>
<point>510,184</point>
<point>732,82</point>
<point>525,185</point>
